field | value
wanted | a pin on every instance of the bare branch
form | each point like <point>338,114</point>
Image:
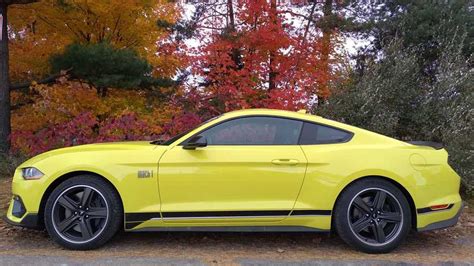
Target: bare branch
<point>17,2</point>
<point>47,80</point>
<point>309,18</point>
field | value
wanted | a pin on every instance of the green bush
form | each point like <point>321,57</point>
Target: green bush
<point>394,98</point>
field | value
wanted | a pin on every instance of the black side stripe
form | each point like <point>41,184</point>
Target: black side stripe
<point>145,216</point>
<point>427,209</point>
<point>223,214</point>
<point>131,225</point>
<point>141,216</point>
<point>310,212</point>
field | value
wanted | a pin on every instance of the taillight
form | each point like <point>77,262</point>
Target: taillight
<point>439,207</point>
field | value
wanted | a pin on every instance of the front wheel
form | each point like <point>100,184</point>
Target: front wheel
<point>83,212</point>
<point>372,215</point>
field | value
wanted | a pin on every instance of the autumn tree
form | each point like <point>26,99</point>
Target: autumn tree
<point>46,27</point>
<point>5,127</point>
<point>252,55</point>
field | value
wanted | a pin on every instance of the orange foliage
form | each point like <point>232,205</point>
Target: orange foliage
<point>70,112</point>
<point>46,27</point>
<point>56,104</point>
<point>60,102</point>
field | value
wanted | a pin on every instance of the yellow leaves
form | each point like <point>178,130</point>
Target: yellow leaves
<point>44,28</point>
<point>166,65</point>
<point>122,101</point>
<point>29,57</point>
<point>55,104</point>
<point>64,100</point>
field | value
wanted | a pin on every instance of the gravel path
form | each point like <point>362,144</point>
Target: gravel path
<point>117,261</point>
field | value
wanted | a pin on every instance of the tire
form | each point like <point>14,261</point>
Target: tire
<point>81,223</point>
<point>372,215</point>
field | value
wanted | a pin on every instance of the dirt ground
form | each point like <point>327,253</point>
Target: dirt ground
<point>454,245</point>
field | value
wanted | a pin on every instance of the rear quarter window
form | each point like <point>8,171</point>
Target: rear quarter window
<point>321,134</point>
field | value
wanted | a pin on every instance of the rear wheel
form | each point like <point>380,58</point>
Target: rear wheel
<point>373,216</point>
<point>83,212</point>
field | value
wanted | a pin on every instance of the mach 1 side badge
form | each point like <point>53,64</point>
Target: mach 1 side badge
<point>145,173</point>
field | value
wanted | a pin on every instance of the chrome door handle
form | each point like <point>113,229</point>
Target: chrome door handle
<point>285,162</point>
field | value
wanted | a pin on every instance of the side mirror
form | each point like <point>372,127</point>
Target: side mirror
<point>195,142</point>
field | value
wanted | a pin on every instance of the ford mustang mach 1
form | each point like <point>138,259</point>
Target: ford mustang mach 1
<point>249,170</point>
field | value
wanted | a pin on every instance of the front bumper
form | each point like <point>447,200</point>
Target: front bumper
<point>29,221</point>
<point>18,215</point>
<point>24,205</point>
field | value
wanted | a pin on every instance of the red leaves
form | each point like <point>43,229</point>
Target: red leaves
<point>86,128</point>
<point>76,131</point>
<point>82,129</point>
<point>181,124</point>
<point>262,63</point>
<point>125,127</point>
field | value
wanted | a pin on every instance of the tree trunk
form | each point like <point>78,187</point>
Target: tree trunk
<point>230,11</point>
<point>272,74</point>
<point>5,127</point>
<point>326,49</point>
<point>4,84</point>
<point>102,91</point>
<point>231,31</point>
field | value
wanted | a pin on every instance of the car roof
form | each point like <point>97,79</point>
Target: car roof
<point>275,112</point>
<point>289,114</point>
<point>308,117</point>
<point>295,115</point>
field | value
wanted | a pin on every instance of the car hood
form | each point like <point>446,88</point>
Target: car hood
<point>97,147</point>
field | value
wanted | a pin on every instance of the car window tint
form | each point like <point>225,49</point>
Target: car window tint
<point>319,134</point>
<point>254,131</point>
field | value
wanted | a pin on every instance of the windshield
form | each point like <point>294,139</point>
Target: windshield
<point>175,138</point>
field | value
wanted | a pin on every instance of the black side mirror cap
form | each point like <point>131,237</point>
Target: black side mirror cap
<point>195,142</point>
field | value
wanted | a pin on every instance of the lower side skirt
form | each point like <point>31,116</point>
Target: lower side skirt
<point>133,220</point>
<point>232,229</point>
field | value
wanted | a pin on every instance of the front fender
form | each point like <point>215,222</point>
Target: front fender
<point>119,167</point>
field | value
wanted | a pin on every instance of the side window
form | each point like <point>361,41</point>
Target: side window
<point>255,131</point>
<point>319,134</point>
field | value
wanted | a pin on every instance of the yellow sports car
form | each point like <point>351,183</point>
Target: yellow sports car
<point>250,170</point>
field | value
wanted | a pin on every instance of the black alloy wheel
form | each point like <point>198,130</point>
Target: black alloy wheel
<point>372,215</point>
<point>375,216</point>
<point>83,212</point>
<point>80,214</point>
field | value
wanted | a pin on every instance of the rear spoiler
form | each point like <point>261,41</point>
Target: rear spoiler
<point>435,145</point>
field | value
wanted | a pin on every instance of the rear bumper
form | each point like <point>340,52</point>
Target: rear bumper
<point>443,223</point>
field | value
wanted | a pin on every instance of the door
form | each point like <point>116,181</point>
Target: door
<point>329,163</point>
<point>251,167</point>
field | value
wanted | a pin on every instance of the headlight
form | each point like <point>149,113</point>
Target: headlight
<point>30,173</point>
